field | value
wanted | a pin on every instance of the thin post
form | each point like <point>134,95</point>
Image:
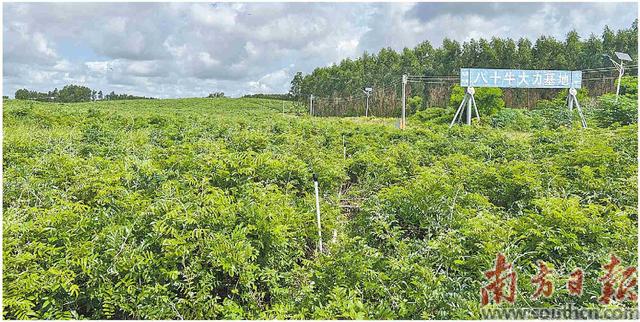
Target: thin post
<point>404,101</point>
<point>573,99</point>
<point>344,148</point>
<point>475,106</point>
<point>455,117</point>
<point>315,185</point>
<point>311,105</point>
<point>570,100</point>
<point>469,102</point>
<point>366,111</point>
<point>582,120</point>
<point>620,72</point>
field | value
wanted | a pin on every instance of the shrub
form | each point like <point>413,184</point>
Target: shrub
<point>551,114</point>
<point>514,119</point>
<point>414,103</point>
<point>622,112</point>
<point>629,86</point>
<point>488,99</point>
<point>434,115</point>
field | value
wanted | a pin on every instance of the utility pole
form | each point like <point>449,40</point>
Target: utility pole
<point>619,67</point>
<point>404,102</point>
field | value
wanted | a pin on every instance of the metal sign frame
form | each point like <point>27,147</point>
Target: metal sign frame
<point>517,78</point>
<point>520,78</point>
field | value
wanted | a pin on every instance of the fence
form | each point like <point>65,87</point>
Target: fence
<point>385,101</point>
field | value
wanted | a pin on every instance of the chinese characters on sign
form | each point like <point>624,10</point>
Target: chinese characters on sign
<point>617,282</point>
<point>517,78</point>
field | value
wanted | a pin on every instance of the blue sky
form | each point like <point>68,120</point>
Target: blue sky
<point>191,49</point>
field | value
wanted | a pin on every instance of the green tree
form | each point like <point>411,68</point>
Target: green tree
<point>572,49</point>
<point>74,93</point>
<point>22,94</point>
<point>591,53</point>
<point>524,54</point>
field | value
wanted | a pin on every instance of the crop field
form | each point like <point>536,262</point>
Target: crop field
<point>205,209</point>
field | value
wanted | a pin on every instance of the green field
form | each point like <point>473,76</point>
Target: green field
<point>205,209</point>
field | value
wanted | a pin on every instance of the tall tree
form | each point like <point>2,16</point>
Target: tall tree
<point>572,49</point>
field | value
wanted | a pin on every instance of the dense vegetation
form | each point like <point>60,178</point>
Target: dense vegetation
<point>204,208</point>
<point>72,94</point>
<point>216,95</point>
<point>383,70</point>
<point>285,97</point>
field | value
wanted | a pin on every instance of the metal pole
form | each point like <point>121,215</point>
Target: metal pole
<point>584,122</point>
<point>315,185</point>
<point>475,106</point>
<point>455,117</point>
<point>620,72</point>
<point>366,112</point>
<point>404,101</point>
<point>570,101</point>
<point>468,111</point>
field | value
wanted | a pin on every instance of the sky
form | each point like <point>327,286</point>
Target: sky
<point>168,50</point>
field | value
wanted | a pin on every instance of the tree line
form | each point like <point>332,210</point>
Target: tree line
<point>283,97</point>
<point>383,70</point>
<point>73,93</point>
<point>216,95</point>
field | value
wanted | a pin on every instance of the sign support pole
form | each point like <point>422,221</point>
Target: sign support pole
<point>573,99</point>
<point>469,102</point>
<point>315,186</point>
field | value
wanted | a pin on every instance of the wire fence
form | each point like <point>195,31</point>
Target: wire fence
<point>435,91</point>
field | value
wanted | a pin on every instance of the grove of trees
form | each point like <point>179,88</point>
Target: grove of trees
<point>286,97</point>
<point>383,70</point>
<point>71,94</point>
<point>216,95</point>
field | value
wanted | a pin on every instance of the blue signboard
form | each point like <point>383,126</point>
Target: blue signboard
<point>518,78</point>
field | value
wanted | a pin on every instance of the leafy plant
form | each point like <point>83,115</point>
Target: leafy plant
<point>205,209</point>
<point>621,112</point>
<point>488,99</point>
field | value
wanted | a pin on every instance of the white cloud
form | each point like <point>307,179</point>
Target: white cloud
<point>22,45</point>
<point>182,49</point>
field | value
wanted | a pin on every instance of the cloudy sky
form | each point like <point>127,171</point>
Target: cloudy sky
<point>186,50</point>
